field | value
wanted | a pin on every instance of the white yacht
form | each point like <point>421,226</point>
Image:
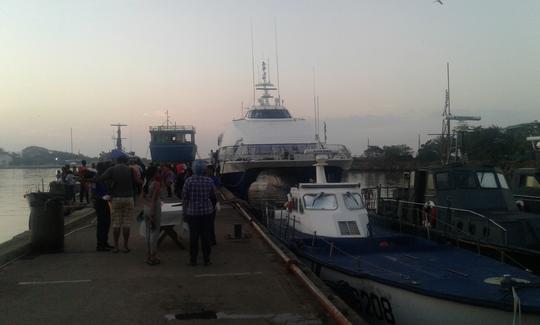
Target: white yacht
<point>269,142</point>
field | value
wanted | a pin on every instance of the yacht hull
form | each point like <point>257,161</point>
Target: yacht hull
<point>240,181</point>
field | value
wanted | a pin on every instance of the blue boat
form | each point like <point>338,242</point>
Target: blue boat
<point>171,143</point>
<point>392,278</point>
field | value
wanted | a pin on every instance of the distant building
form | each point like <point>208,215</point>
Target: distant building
<point>5,159</point>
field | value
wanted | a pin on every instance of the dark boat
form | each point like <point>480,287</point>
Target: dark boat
<point>395,278</point>
<point>526,182</point>
<point>172,143</point>
<point>471,206</point>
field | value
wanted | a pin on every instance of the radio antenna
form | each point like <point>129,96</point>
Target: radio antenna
<point>277,59</point>
<point>252,61</point>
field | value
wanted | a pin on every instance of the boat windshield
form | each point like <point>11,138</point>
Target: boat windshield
<point>268,113</point>
<point>320,201</point>
<point>487,179</point>
<point>502,181</point>
<point>353,201</point>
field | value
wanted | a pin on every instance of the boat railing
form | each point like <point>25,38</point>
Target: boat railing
<point>533,198</point>
<point>281,223</point>
<point>372,195</point>
<point>185,128</point>
<point>255,152</point>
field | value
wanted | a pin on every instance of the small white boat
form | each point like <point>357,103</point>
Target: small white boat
<point>392,278</point>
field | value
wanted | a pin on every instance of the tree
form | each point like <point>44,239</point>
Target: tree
<point>430,151</point>
<point>400,151</point>
<point>373,152</point>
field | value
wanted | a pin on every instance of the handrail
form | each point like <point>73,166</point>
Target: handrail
<point>455,209</point>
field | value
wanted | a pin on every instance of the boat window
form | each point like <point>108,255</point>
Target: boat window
<point>502,181</point>
<point>486,179</point>
<point>320,201</point>
<point>529,181</point>
<point>465,180</point>
<point>430,184</point>
<point>443,182</point>
<point>411,180</point>
<point>353,201</point>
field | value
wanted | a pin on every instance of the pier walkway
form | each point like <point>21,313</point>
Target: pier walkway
<point>246,284</point>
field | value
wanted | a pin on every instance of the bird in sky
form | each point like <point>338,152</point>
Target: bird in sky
<point>438,1</point>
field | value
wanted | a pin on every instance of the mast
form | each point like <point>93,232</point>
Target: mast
<point>119,135</point>
<point>452,141</point>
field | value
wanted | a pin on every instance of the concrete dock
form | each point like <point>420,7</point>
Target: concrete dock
<point>246,284</point>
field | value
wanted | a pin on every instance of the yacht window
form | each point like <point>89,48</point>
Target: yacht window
<point>353,201</point>
<point>465,180</point>
<point>443,182</point>
<point>269,113</point>
<point>502,181</point>
<point>320,201</point>
<point>486,179</point>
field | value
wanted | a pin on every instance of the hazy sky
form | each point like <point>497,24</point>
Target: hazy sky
<point>380,66</point>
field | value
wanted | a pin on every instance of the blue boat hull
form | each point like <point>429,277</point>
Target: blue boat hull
<point>385,277</point>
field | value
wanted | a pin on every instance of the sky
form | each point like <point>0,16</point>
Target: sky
<point>379,66</point>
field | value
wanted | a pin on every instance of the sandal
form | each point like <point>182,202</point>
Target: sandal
<point>116,250</point>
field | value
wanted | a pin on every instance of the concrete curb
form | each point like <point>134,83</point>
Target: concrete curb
<point>20,245</point>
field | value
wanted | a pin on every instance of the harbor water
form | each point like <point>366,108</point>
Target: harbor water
<point>14,210</point>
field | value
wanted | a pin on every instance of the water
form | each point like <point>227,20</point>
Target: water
<point>14,210</point>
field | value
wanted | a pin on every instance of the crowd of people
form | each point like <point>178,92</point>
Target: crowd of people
<point>127,188</point>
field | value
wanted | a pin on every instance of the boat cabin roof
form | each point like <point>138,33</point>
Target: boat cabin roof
<point>328,185</point>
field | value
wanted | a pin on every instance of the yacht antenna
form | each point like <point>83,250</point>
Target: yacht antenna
<point>252,63</point>
<point>277,60</point>
<point>315,127</point>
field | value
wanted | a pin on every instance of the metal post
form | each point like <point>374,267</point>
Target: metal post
<point>314,240</point>
<point>294,226</point>
<point>331,249</point>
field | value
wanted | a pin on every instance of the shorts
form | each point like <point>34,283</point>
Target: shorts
<point>122,212</point>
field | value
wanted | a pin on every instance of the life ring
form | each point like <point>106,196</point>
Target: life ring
<point>430,214</point>
<point>289,206</point>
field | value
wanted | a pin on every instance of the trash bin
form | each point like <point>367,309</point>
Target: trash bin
<point>46,222</point>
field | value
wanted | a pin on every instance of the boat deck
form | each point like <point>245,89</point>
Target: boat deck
<point>246,284</point>
<point>432,269</point>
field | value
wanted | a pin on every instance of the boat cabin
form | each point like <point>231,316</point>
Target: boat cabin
<point>330,210</point>
<point>526,188</point>
<point>172,143</point>
<point>465,187</point>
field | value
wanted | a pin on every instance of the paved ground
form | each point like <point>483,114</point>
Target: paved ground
<point>246,284</point>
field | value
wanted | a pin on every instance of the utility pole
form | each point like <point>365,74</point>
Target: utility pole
<point>71,136</point>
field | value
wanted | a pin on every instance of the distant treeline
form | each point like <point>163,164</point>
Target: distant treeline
<point>493,145</point>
